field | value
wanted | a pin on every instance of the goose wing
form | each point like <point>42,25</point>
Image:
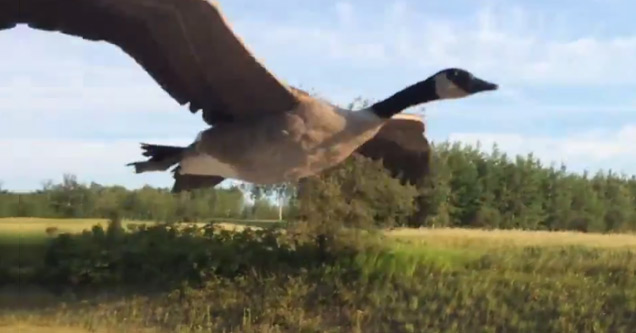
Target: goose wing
<point>402,146</point>
<point>186,46</point>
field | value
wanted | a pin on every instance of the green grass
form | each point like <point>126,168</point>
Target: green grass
<point>449,280</point>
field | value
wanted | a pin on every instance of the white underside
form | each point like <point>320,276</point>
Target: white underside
<point>206,165</point>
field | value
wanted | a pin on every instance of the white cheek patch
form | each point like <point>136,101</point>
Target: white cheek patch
<point>455,92</point>
<point>446,89</point>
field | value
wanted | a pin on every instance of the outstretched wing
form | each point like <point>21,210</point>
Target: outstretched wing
<point>402,146</point>
<point>187,46</point>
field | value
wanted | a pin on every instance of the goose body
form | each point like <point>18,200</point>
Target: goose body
<point>281,147</point>
<point>260,129</point>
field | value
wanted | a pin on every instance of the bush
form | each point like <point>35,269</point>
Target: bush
<point>51,231</point>
<point>359,193</point>
<point>190,254</point>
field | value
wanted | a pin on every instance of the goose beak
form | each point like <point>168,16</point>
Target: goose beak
<point>479,85</point>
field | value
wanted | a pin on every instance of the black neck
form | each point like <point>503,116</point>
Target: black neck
<point>421,92</point>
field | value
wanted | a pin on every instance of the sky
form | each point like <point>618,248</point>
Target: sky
<point>566,70</point>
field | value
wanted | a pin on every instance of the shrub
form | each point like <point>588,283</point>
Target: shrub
<point>192,254</point>
<point>359,193</point>
<point>51,231</point>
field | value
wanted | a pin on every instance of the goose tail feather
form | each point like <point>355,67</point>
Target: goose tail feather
<point>160,158</point>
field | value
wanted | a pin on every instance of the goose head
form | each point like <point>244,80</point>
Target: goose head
<point>454,83</point>
<point>449,83</point>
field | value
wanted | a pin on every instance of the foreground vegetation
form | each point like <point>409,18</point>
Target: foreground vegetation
<point>163,278</point>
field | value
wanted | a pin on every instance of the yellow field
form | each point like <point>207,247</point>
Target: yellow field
<point>454,237</point>
<point>33,225</point>
<point>29,228</point>
<point>26,228</point>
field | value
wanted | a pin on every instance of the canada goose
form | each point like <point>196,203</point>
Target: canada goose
<point>262,130</point>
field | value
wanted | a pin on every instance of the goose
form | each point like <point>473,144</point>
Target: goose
<point>260,129</point>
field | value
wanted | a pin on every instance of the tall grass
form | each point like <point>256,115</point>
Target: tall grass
<point>489,239</point>
<point>269,281</point>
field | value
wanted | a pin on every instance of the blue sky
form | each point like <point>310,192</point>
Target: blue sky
<point>567,73</point>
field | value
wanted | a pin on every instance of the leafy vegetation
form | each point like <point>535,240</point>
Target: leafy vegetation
<point>72,199</point>
<point>470,188</point>
<point>197,279</point>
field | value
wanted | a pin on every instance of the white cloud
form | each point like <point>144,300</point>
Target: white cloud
<point>508,42</point>
<point>344,11</point>
<point>47,72</point>
<point>590,150</point>
<point>61,86</point>
<point>26,94</point>
<point>32,161</point>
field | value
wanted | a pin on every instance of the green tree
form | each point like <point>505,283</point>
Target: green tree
<point>357,193</point>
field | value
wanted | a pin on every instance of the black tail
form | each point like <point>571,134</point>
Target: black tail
<point>161,158</point>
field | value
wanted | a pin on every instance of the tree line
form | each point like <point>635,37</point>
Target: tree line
<point>467,187</point>
<point>72,199</point>
<point>471,188</point>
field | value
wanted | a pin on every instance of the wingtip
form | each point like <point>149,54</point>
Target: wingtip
<point>135,165</point>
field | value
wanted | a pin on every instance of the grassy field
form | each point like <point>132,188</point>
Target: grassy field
<point>498,239</point>
<point>33,230</point>
<point>408,280</point>
<point>28,230</point>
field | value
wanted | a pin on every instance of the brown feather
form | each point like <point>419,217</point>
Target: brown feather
<point>402,146</point>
